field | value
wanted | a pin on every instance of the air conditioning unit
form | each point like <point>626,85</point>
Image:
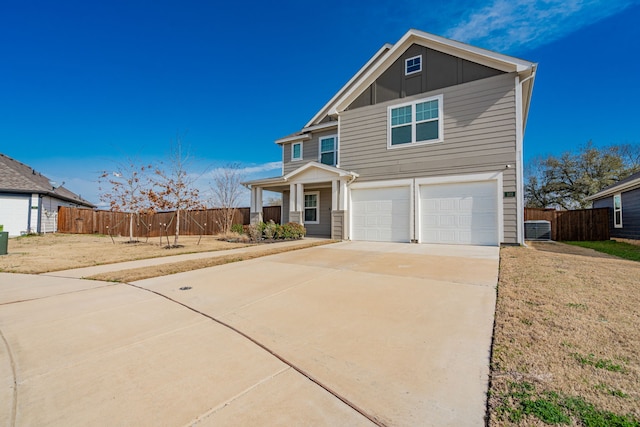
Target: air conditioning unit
<point>537,230</point>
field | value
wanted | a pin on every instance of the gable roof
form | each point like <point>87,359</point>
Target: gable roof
<point>386,56</point>
<point>629,183</point>
<point>16,177</point>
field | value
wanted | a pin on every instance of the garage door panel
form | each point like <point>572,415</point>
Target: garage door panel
<point>459,213</point>
<point>381,214</point>
<point>14,214</point>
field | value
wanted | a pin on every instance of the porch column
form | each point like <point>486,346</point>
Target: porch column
<point>255,213</point>
<point>292,197</point>
<point>334,195</point>
<point>300,198</point>
<point>342,204</point>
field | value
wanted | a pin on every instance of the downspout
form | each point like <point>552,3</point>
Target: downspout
<point>520,154</point>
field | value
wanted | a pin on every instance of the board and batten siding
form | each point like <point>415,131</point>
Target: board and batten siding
<point>479,136</point>
<point>310,151</point>
<point>630,214</point>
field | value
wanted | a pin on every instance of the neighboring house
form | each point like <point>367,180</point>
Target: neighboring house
<point>29,201</point>
<point>623,199</point>
<point>423,144</point>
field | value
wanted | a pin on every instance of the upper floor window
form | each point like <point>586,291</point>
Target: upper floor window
<point>329,150</point>
<point>617,210</point>
<point>415,122</point>
<point>296,151</point>
<point>413,65</point>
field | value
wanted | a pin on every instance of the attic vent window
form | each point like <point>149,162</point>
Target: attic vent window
<point>413,65</point>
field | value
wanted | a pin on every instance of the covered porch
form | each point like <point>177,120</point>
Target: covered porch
<point>314,195</point>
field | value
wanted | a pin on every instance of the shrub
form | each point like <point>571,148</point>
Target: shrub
<point>237,228</point>
<point>293,230</point>
<point>255,232</point>
<point>270,229</point>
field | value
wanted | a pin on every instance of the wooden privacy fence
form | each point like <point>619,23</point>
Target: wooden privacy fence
<point>89,221</point>
<point>578,225</point>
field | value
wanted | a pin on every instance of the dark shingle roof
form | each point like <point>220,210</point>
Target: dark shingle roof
<point>16,177</point>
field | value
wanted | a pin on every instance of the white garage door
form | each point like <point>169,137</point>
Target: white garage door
<point>381,214</point>
<point>461,213</point>
<point>14,214</point>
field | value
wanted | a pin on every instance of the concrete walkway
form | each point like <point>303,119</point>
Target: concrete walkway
<point>343,334</point>
<point>150,262</point>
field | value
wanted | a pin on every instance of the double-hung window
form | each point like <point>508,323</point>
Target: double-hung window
<point>296,151</point>
<point>617,210</point>
<point>417,122</point>
<point>312,207</point>
<point>329,150</point>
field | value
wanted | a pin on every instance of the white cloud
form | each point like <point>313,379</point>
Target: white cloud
<point>250,171</point>
<point>504,25</point>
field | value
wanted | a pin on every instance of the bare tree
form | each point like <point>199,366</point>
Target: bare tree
<point>123,188</point>
<point>226,190</point>
<point>173,187</point>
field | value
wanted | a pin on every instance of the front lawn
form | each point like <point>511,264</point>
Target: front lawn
<point>566,347</point>
<point>611,247</point>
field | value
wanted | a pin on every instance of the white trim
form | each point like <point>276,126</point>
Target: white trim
<point>333,169</point>
<point>321,126</point>
<point>317,207</point>
<point>615,223</point>
<point>293,138</point>
<point>374,58</point>
<point>484,57</point>
<point>519,163</point>
<point>414,123</point>
<point>297,159</point>
<point>335,148</point>
<point>616,188</point>
<point>382,184</point>
<point>406,64</point>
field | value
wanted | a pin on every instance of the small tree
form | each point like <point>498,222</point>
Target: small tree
<point>226,190</point>
<point>173,188</point>
<point>124,188</point>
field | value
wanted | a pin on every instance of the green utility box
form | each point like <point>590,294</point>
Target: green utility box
<point>4,242</point>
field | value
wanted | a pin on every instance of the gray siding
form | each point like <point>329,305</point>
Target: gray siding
<point>439,70</point>
<point>310,151</point>
<point>630,214</point>
<point>479,136</point>
<point>324,227</point>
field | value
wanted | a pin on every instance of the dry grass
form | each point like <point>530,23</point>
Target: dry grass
<point>134,274</point>
<point>568,325</point>
<point>52,252</point>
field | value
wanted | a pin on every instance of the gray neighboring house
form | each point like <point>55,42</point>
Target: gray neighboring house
<point>29,201</point>
<point>623,200</point>
<point>424,144</point>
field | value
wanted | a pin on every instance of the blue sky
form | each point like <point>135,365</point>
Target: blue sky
<point>85,84</point>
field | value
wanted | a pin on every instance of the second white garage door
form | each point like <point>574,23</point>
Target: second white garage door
<point>381,214</point>
<point>460,213</point>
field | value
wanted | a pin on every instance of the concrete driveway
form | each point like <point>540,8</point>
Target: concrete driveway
<point>354,333</point>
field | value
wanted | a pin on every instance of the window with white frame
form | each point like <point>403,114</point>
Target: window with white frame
<point>329,150</point>
<point>617,210</point>
<point>312,207</point>
<point>415,122</point>
<point>296,151</point>
<point>413,65</point>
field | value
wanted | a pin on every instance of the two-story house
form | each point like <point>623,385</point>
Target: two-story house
<point>424,144</point>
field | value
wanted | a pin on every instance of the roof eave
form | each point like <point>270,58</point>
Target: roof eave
<point>631,185</point>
